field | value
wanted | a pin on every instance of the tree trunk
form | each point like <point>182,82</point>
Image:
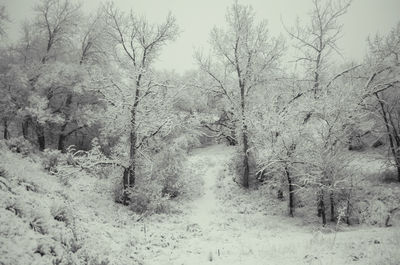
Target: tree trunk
<point>321,207</point>
<point>129,179</point>
<point>61,142</point>
<point>25,126</point>
<point>398,172</point>
<point>63,135</point>
<point>61,138</point>
<point>246,166</point>
<point>392,138</point>
<point>291,193</point>
<point>246,172</point>
<point>348,212</point>
<point>332,202</point>
<point>40,137</point>
<point>316,75</point>
<point>6,134</point>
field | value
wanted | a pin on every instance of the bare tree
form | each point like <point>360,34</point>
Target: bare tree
<point>57,20</point>
<point>383,85</point>
<point>317,39</point>
<point>247,55</point>
<point>139,42</point>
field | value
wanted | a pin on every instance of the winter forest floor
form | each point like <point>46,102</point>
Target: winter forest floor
<point>223,224</point>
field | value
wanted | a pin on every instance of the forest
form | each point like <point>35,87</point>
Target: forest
<point>270,152</point>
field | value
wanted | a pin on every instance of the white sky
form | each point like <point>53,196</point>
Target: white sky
<point>197,17</point>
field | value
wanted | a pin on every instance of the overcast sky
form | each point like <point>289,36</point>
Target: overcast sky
<point>197,17</point>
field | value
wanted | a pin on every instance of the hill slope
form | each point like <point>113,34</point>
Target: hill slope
<point>45,222</point>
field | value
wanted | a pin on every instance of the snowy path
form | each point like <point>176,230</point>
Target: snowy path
<point>205,208</point>
<point>216,233</point>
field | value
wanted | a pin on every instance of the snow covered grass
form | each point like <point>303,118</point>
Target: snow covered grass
<point>43,221</point>
<point>265,227</point>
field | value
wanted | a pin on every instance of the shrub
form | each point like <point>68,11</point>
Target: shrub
<point>14,206</point>
<point>20,145</point>
<point>38,224</point>
<point>157,181</point>
<point>237,167</point>
<point>52,159</point>
<point>4,183</point>
<point>61,213</point>
<point>148,198</point>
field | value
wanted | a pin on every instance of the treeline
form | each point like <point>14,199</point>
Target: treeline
<point>74,77</point>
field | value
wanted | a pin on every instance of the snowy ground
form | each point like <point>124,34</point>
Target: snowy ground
<point>220,234</point>
<point>212,229</point>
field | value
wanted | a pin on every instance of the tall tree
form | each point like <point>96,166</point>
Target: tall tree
<point>138,44</point>
<point>46,40</point>
<point>243,57</point>
<point>383,83</point>
<point>317,39</point>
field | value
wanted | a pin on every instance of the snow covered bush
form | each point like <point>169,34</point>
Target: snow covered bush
<point>237,167</point>
<point>61,213</point>
<point>20,145</point>
<point>168,169</point>
<point>93,162</point>
<point>52,159</point>
<point>147,199</point>
<point>158,180</point>
<point>39,223</point>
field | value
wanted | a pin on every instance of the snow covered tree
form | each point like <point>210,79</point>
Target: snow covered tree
<point>45,41</point>
<point>138,43</point>
<point>14,87</point>
<point>317,39</point>
<point>382,85</point>
<point>306,119</point>
<point>242,58</point>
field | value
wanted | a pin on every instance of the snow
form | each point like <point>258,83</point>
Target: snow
<point>221,233</point>
<point>225,224</point>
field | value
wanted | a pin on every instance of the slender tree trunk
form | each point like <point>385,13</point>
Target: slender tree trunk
<point>129,176</point>
<point>6,133</point>
<point>40,137</point>
<point>132,165</point>
<point>332,202</point>
<point>61,142</point>
<point>394,150</point>
<point>61,138</point>
<point>316,74</point>
<point>246,172</point>
<point>25,127</point>
<point>348,212</point>
<point>291,192</point>
<point>246,166</point>
<point>321,207</point>
<point>398,172</point>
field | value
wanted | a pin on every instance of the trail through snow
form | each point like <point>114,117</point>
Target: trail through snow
<point>216,233</point>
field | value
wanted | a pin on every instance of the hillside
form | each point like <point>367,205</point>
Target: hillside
<point>46,222</point>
